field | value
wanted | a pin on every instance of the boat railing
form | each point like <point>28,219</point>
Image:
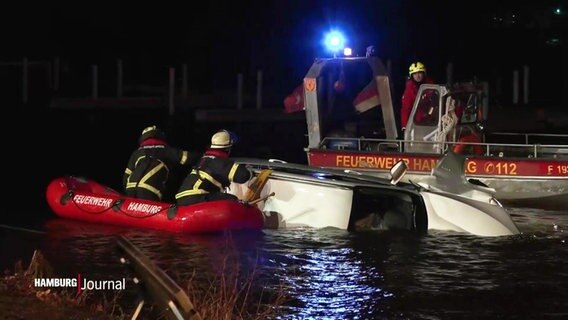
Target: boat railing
<point>531,137</point>
<point>489,149</point>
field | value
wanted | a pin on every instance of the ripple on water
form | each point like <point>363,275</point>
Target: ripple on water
<point>334,274</point>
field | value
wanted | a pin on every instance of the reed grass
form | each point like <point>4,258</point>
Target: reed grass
<point>22,300</point>
<point>233,293</point>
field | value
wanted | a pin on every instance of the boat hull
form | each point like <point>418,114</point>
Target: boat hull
<point>87,200</point>
<point>541,183</point>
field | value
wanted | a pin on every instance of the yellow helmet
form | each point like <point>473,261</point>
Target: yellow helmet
<point>416,67</point>
<point>221,140</point>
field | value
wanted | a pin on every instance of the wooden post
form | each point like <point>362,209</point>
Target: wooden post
<point>49,67</point>
<point>95,81</point>
<point>56,73</point>
<point>119,78</point>
<point>25,70</point>
<point>184,80</point>
<point>259,89</point>
<point>240,91</point>
<point>499,92</point>
<point>525,84</point>
<point>515,86</point>
<point>449,73</point>
<point>171,95</point>
<point>485,102</point>
<point>330,93</point>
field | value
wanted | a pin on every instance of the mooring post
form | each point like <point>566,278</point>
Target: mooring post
<point>259,89</point>
<point>95,81</point>
<point>119,78</point>
<point>171,95</point>
<point>240,86</point>
<point>25,70</point>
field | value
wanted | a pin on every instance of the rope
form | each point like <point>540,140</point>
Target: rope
<point>21,229</point>
<point>117,203</point>
<point>141,217</point>
<point>119,209</point>
<point>449,120</point>
<point>91,212</point>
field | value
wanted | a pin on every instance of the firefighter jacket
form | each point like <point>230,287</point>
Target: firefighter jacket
<point>408,97</point>
<point>214,173</point>
<point>151,168</point>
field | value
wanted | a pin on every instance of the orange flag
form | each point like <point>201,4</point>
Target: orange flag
<point>294,102</point>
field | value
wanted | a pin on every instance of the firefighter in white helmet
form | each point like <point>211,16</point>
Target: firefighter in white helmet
<point>214,173</point>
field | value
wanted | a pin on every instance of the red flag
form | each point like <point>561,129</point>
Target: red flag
<point>368,98</point>
<point>294,102</point>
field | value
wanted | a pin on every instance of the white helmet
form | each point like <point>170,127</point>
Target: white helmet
<point>221,140</point>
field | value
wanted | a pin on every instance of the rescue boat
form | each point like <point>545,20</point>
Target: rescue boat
<point>87,200</point>
<point>346,131</point>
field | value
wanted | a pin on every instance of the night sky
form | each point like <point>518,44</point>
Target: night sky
<point>220,38</point>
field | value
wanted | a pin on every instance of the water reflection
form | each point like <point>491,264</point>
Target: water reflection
<point>87,246</point>
<point>326,278</point>
<point>333,274</point>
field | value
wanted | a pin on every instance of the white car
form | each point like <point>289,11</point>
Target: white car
<point>306,196</point>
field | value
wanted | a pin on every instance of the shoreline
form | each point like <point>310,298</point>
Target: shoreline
<point>20,298</point>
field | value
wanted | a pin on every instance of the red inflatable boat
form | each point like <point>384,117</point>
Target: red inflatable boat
<point>81,199</point>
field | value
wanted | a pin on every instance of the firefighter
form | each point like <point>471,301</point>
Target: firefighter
<point>214,173</point>
<point>469,135</point>
<point>152,167</point>
<point>417,76</point>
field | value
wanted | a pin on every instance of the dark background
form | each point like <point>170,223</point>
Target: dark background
<point>217,39</point>
<point>485,40</point>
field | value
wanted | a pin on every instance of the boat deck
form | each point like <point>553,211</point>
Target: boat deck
<point>522,145</point>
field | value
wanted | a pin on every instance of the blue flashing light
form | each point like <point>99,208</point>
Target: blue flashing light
<point>334,41</point>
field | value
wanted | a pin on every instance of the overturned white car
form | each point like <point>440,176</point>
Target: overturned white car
<point>306,196</point>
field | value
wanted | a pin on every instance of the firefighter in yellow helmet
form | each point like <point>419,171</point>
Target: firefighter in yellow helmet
<point>214,173</point>
<point>416,77</point>
<point>152,167</point>
<point>416,67</point>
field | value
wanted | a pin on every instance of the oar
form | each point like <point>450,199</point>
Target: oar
<point>261,199</point>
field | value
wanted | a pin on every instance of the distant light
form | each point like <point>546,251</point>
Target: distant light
<point>334,41</point>
<point>553,42</point>
<point>558,11</point>
<point>347,52</point>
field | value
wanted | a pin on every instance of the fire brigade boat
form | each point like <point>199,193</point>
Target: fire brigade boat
<point>532,172</point>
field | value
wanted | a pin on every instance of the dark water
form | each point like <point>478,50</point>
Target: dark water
<point>332,274</point>
<point>47,144</point>
<point>328,274</point>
